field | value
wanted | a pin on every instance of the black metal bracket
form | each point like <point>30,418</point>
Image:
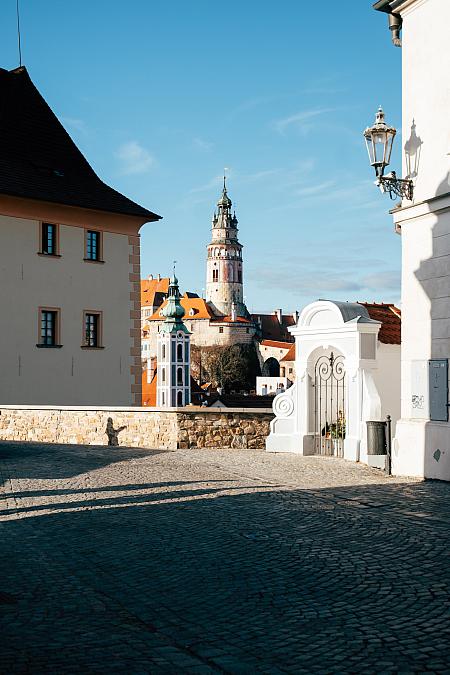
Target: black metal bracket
<point>396,187</point>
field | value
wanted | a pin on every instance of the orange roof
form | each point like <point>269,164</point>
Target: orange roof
<point>276,343</point>
<point>228,319</point>
<point>390,317</point>
<point>149,288</point>
<point>290,356</point>
<point>198,306</point>
<point>148,390</point>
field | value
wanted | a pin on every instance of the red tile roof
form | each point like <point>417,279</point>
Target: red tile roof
<point>151,287</point>
<point>290,356</point>
<point>390,317</point>
<point>278,344</point>
<point>39,160</point>
<point>228,319</point>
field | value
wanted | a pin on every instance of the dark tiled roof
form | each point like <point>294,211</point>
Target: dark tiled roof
<point>241,401</point>
<point>39,160</point>
<point>391,321</point>
<point>272,329</point>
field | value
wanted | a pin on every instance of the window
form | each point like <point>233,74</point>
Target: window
<point>180,398</point>
<point>215,275</point>
<point>163,373</point>
<point>48,328</point>
<point>164,352</point>
<point>179,352</point>
<point>49,239</point>
<point>92,329</point>
<point>290,371</point>
<point>180,376</point>
<point>221,329</point>
<point>163,399</point>
<point>247,330</point>
<point>240,276</point>
<point>93,245</point>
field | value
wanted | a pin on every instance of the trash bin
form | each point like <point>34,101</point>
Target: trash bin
<point>376,438</point>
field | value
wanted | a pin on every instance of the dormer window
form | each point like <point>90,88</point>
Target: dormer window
<point>191,311</point>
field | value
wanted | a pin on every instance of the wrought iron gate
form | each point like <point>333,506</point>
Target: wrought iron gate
<point>329,410</point>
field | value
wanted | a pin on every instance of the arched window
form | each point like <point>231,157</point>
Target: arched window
<point>179,352</point>
<point>180,376</point>
<point>164,352</point>
<point>180,398</point>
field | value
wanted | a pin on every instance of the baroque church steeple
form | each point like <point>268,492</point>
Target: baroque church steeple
<point>224,276</point>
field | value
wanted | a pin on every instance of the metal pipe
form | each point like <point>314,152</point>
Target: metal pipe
<point>395,26</point>
<point>388,444</point>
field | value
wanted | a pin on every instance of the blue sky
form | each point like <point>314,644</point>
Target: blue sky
<point>160,96</point>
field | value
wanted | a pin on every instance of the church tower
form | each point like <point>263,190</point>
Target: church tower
<point>173,354</point>
<point>224,274</point>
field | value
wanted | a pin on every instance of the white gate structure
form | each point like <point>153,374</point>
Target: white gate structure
<point>344,377</point>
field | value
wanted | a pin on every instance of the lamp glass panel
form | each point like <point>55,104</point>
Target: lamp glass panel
<point>388,147</point>
<point>379,140</point>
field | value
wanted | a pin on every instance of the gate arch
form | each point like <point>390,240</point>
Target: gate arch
<point>329,405</point>
<point>271,368</point>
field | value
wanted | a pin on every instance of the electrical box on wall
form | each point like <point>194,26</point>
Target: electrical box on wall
<point>438,389</point>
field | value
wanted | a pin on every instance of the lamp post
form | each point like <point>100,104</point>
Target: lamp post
<point>379,140</point>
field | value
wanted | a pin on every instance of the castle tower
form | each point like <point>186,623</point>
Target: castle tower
<point>224,273</point>
<point>173,354</point>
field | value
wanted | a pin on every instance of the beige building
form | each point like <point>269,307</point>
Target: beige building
<point>69,265</point>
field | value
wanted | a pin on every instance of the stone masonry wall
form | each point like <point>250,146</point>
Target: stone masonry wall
<point>143,427</point>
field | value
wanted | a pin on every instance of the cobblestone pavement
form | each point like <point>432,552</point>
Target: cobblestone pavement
<point>117,560</point>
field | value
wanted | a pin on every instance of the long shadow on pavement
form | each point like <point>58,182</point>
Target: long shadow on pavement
<point>343,580</point>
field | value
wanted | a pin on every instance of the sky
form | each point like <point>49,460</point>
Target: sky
<point>160,96</point>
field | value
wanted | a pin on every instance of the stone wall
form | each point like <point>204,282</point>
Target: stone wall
<point>143,427</point>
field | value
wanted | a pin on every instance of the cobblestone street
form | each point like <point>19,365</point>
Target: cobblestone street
<point>117,560</point>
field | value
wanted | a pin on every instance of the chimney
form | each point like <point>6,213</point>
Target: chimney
<point>279,314</point>
<point>295,316</point>
<point>150,277</point>
<point>159,277</point>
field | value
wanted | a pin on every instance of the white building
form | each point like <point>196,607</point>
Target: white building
<point>422,442</point>
<point>173,359</point>
<point>69,265</point>
<point>347,373</point>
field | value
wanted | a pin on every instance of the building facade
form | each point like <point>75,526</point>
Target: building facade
<point>69,265</point>
<point>422,441</point>
<point>173,359</point>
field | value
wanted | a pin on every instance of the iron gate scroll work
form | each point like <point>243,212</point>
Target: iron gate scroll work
<point>329,415</point>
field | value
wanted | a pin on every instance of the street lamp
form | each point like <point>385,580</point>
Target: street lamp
<point>379,140</point>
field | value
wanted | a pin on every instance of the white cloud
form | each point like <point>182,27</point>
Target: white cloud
<point>134,158</point>
<point>315,189</point>
<point>300,119</point>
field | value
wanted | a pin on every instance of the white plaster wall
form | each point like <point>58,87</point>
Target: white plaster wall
<point>425,235</point>
<point>387,380</point>
<point>70,375</point>
<point>426,94</point>
<point>271,385</point>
